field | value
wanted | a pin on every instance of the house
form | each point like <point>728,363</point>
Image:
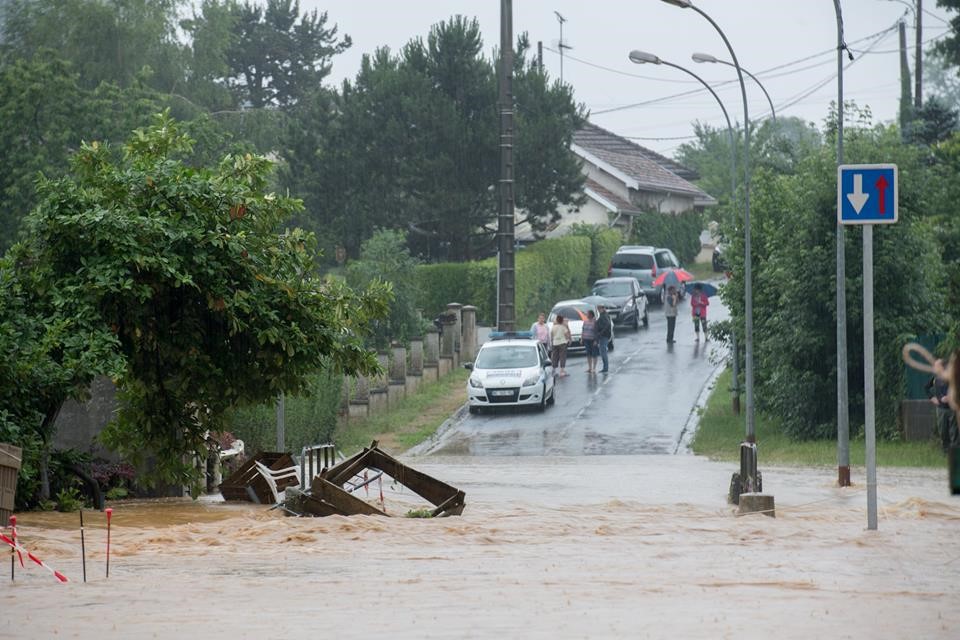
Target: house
<point>624,180</point>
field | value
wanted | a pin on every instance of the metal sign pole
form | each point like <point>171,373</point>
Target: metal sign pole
<point>868,390</point>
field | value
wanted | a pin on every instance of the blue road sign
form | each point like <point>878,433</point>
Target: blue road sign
<point>867,193</point>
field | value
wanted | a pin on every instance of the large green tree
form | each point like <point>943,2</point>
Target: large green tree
<point>276,55</point>
<point>412,143</point>
<point>105,40</point>
<point>175,280</point>
<point>793,247</point>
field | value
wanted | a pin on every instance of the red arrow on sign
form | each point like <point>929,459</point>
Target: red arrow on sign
<point>881,184</point>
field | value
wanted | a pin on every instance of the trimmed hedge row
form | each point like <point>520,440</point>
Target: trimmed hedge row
<point>680,232</point>
<point>546,272</point>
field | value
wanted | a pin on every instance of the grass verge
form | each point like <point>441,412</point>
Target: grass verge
<point>702,271</point>
<point>414,419</point>
<point>720,433</point>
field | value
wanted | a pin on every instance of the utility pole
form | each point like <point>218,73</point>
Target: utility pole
<point>906,102</point>
<point>918,82</point>
<point>843,389</point>
<point>506,271</point>
<point>562,44</point>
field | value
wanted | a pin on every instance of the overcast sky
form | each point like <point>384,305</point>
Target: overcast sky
<point>788,44</point>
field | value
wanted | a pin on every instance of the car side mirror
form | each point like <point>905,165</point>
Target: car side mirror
<point>468,365</point>
<point>547,363</point>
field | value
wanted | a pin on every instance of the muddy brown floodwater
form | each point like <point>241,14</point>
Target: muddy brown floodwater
<point>587,547</point>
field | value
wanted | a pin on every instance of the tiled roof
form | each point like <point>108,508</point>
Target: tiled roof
<point>622,205</point>
<point>634,161</point>
<point>590,136</point>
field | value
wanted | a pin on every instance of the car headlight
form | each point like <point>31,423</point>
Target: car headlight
<point>475,383</point>
<point>629,304</point>
<point>532,380</point>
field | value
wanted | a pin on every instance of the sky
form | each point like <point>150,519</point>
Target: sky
<point>790,45</point>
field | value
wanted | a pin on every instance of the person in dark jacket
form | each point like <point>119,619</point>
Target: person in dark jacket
<point>604,333</point>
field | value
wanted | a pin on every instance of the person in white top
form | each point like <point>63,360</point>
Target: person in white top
<point>559,339</point>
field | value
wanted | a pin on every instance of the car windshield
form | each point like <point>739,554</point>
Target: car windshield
<point>612,289</point>
<point>507,357</point>
<point>632,261</point>
<point>570,312</point>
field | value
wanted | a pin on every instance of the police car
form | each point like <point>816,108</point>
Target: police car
<point>511,369</point>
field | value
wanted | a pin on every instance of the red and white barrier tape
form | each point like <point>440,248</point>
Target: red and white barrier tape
<point>56,574</point>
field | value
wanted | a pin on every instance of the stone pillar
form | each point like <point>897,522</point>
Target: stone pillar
<point>380,385</point>
<point>415,365</point>
<point>448,343</point>
<point>398,365</point>
<point>397,388</point>
<point>468,344</point>
<point>431,355</point>
<point>431,346</point>
<point>454,309</point>
<point>360,400</point>
<point>416,356</point>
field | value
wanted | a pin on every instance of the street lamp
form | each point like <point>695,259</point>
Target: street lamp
<point>747,257</point>
<point>706,57</point>
<point>749,466</point>
<point>641,57</point>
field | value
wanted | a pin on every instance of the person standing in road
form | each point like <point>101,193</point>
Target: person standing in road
<point>541,332</point>
<point>698,307</point>
<point>604,333</point>
<point>670,311</point>
<point>559,339</point>
<point>589,336</point>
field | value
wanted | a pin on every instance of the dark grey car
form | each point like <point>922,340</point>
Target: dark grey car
<point>626,301</point>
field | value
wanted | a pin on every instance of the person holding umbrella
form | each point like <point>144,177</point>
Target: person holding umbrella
<point>699,301</point>
<point>670,311</point>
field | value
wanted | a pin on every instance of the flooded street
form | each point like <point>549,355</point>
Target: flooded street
<point>586,547</point>
<point>563,536</point>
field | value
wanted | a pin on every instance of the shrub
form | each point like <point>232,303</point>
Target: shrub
<point>679,232</point>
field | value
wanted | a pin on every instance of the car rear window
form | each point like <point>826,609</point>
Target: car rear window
<point>507,357</point>
<point>632,261</point>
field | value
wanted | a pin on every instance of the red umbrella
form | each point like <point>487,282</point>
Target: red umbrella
<point>682,275</point>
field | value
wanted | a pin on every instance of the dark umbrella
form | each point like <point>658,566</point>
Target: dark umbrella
<point>708,289</point>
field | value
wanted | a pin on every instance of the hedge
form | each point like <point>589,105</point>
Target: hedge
<point>679,232</point>
<point>546,272</point>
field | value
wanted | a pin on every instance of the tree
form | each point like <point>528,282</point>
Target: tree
<point>274,59</point>
<point>181,273</point>
<point>794,295</point>
<point>932,123</point>
<point>385,257</point>
<point>412,143</point>
<point>106,41</point>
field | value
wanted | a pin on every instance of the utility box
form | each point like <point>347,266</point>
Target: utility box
<point>10,459</point>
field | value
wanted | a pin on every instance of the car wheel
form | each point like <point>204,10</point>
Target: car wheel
<point>553,394</point>
<point>646,319</point>
<point>636,321</point>
<point>474,410</point>
<point>543,399</point>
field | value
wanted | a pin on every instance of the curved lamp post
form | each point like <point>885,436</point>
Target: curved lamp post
<point>706,57</point>
<point>641,57</point>
<point>747,257</point>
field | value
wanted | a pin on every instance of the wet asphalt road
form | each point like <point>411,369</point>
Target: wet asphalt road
<point>642,406</point>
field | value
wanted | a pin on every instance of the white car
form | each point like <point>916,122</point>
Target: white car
<point>574,313</point>
<point>510,370</point>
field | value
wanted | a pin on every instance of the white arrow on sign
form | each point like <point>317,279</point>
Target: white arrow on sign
<point>858,198</point>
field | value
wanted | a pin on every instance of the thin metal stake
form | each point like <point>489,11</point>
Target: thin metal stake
<point>83,548</point>
<point>13,551</point>
<point>109,512</point>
